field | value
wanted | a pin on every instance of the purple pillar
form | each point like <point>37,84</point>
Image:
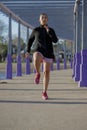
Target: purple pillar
<point>65,66</point>
<point>51,67</point>
<point>74,62</point>
<point>9,58</point>
<point>71,61</point>
<point>34,70</point>
<point>71,64</point>
<point>78,14</point>
<point>42,67</point>
<point>77,67</point>
<point>19,67</point>
<point>83,69</point>
<point>83,66</point>
<point>74,58</point>
<point>58,64</point>
<point>27,66</point>
<point>9,67</point>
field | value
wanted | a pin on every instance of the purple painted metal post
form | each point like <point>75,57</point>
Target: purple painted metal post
<point>19,67</point>
<point>58,64</point>
<point>42,67</point>
<point>78,19</point>
<point>58,59</point>
<point>9,67</point>
<point>77,67</point>
<point>83,67</point>
<point>27,59</point>
<point>34,70</point>
<point>71,62</point>
<point>74,57</point>
<point>9,58</point>
<point>65,66</point>
<point>27,66</point>
<point>51,67</point>
<point>78,41</point>
<point>74,62</point>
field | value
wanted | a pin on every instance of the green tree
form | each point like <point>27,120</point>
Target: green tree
<point>3,27</point>
<point>3,52</point>
<point>22,44</point>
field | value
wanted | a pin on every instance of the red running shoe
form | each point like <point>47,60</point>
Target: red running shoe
<point>37,78</point>
<point>44,96</point>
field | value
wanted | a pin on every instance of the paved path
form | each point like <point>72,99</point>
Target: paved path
<point>21,106</point>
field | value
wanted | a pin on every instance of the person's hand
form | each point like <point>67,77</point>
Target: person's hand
<point>46,27</point>
<point>26,55</point>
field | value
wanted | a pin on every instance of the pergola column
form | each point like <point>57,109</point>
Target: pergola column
<point>19,67</point>
<point>78,42</point>
<point>65,66</point>
<point>27,59</point>
<point>58,60</point>
<point>71,55</point>
<point>9,58</point>
<point>74,56</point>
<point>83,66</point>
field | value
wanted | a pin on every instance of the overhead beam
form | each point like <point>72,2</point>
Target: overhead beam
<point>38,2</point>
<point>14,16</point>
<point>76,5</point>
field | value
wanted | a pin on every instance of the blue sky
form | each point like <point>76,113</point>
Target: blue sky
<point>4,18</point>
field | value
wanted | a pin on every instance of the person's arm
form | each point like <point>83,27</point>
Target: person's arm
<point>30,41</point>
<point>51,33</point>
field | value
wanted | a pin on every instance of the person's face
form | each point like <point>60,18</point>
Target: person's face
<point>43,19</point>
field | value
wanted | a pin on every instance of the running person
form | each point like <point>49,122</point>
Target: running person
<point>44,36</point>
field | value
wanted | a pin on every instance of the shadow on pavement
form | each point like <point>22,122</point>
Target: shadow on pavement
<point>43,102</point>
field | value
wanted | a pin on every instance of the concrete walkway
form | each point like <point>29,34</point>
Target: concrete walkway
<point>21,106</point>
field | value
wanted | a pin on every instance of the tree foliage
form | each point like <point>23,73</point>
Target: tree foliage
<point>3,27</point>
<point>3,51</point>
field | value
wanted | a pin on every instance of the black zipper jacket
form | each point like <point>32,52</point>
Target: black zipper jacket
<point>44,41</point>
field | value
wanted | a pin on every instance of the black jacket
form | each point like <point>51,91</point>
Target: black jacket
<point>44,40</point>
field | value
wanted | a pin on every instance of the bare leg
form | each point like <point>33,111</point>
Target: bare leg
<point>37,61</point>
<point>46,75</point>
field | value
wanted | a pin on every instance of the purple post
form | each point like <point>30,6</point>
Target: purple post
<point>71,64</point>
<point>19,67</point>
<point>34,70</point>
<point>77,67</point>
<point>51,67</point>
<point>27,65</point>
<point>65,63</point>
<point>9,67</point>
<point>71,59</point>
<point>42,67</point>
<point>83,69</point>
<point>58,64</point>
<point>74,62</point>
